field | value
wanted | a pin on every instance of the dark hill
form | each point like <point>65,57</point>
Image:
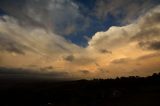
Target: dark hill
<point>124,91</point>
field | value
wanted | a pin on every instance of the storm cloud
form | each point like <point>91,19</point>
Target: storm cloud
<point>151,45</point>
<point>123,8</point>
<point>49,14</point>
<point>9,45</point>
<point>30,73</point>
<point>36,36</point>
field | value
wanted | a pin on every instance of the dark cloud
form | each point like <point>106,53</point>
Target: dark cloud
<point>148,27</point>
<point>150,45</point>
<point>152,19</point>
<point>155,45</point>
<point>82,60</point>
<point>105,51</point>
<point>69,58</point>
<point>50,14</point>
<point>9,45</point>
<point>68,17</point>
<point>31,73</point>
<point>148,35</point>
<point>123,10</point>
<point>17,10</point>
<point>84,71</point>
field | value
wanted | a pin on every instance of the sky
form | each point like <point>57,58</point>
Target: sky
<point>79,38</point>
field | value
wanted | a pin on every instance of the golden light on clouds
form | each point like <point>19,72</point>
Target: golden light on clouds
<point>120,51</point>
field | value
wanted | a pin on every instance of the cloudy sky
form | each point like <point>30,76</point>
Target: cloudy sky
<point>79,38</point>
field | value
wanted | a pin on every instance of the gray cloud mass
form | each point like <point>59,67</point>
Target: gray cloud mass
<point>60,16</point>
<point>33,38</point>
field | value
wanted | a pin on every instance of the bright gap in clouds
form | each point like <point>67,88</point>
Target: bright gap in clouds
<point>38,36</point>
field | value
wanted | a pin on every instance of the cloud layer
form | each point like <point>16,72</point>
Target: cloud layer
<point>30,38</point>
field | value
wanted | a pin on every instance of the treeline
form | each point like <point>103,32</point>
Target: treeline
<point>123,91</point>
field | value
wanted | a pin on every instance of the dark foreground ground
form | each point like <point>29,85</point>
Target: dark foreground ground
<point>131,91</point>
